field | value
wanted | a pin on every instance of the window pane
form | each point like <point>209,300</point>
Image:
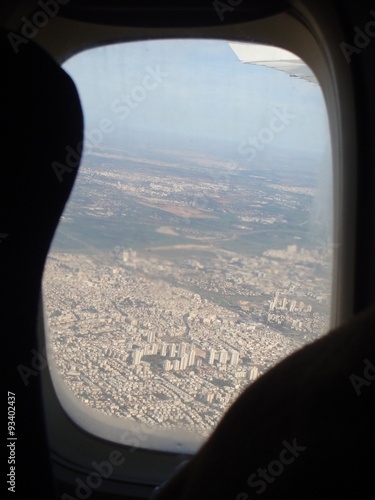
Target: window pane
<point>194,252</point>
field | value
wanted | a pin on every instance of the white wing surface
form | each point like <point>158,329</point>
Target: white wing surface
<point>273,57</point>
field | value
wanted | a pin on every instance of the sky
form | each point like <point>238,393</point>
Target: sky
<point>195,89</point>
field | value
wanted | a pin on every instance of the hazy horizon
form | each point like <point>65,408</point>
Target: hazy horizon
<point>195,90</point>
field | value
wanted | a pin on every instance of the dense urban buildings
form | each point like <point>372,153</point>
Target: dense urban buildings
<point>176,279</point>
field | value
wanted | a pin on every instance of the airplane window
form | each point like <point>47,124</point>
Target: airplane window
<point>195,250</point>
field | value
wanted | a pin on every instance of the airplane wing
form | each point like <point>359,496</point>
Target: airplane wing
<point>273,57</point>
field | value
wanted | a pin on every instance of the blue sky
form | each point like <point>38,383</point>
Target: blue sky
<point>201,89</point>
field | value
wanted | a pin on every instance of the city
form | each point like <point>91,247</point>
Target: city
<point>170,288</point>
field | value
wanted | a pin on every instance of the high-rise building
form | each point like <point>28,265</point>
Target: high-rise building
<point>253,374</point>
<point>147,350</point>
<point>146,367</point>
<point>167,365</point>
<point>223,358</point>
<point>234,358</point>
<point>176,364</point>
<point>137,356</point>
<point>163,349</point>
<point>183,348</point>
<point>208,398</point>
<point>172,350</point>
<point>154,348</point>
<point>184,361</point>
<point>276,299</point>
<point>211,356</point>
<point>191,359</point>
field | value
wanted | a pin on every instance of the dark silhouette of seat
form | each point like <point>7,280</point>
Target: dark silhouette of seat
<point>304,430</point>
<point>41,116</point>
